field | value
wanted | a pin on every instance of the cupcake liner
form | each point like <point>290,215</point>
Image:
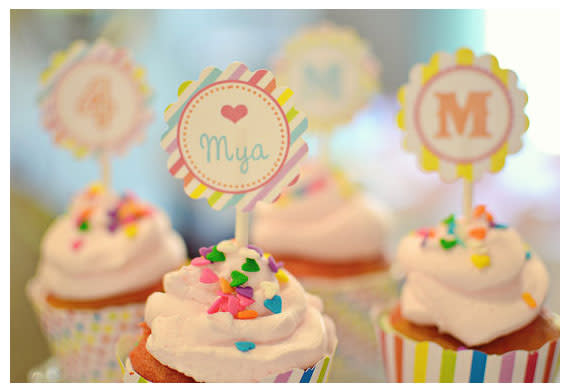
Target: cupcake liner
<point>406,360</point>
<point>83,341</point>
<point>348,301</point>
<point>318,373</point>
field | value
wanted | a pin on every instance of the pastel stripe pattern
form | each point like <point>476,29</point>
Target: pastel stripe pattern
<point>316,374</point>
<point>289,170</point>
<point>405,360</point>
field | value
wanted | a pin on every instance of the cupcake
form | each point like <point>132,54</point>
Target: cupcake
<point>99,263</point>
<point>333,238</point>
<point>471,308</point>
<point>232,315</point>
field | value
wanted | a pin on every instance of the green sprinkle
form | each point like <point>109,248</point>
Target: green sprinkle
<point>238,278</point>
<point>447,244</point>
<point>84,226</point>
<point>250,266</point>
<point>449,220</point>
<point>215,256</point>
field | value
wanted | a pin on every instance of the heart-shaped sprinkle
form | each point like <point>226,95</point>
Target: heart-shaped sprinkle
<point>77,244</point>
<point>244,301</point>
<point>204,251</point>
<point>248,253</point>
<point>479,233</point>
<point>449,220</point>
<point>208,276</point>
<point>273,265</point>
<point>479,211</point>
<point>480,261</point>
<point>250,266</point>
<point>530,301</point>
<point>215,306</point>
<point>447,244</point>
<point>245,346</point>
<point>233,305</point>
<point>215,256</point>
<point>257,249</point>
<point>245,291</point>
<point>225,286</point>
<point>269,289</point>
<point>227,246</point>
<point>282,276</point>
<point>499,226</point>
<point>274,305</point>
<point>234,114</point>
<point>200,261</point>
<point>131,230</point>
<point>84,226</point>
<point>246,314</point>
<point>528,255</point>
<point>238,278</point>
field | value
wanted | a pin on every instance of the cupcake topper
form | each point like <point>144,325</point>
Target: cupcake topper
<point>462,115</point>
<point>234,138</point>
<point>94,99</point>
<point>333,73</point>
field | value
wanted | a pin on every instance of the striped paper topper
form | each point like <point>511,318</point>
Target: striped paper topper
<point>234,137</point>
<point>333,72</point>
<point>462,115</point>
<point>94,99</point>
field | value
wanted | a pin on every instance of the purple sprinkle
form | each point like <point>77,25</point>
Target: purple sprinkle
<point>273,265</point>
<point>461,349</point>
<point>112,226</point>
<point>204,251</point>
<point>247,292</point>
<point>112,213</point>
<point>255,248</point>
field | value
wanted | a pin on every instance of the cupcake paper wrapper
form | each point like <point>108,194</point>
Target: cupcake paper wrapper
<point>348,302</point>
<point>318,373</point>
<point>406,360</point>
<point>83,341</point>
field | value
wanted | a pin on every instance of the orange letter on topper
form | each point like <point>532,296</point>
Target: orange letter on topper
<point>475,105</point>
<point>96,101</point>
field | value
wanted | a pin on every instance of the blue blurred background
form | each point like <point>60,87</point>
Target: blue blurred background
<point>174,46</point>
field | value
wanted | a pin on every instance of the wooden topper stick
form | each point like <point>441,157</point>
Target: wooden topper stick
<point>106,173</point>
<point>467,198</point>
<point>241,228</point>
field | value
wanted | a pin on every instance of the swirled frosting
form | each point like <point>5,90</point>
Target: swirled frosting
<point>106,245</point>
<point>474,279</point>
<point>215,325</point>
<point>323,217</point>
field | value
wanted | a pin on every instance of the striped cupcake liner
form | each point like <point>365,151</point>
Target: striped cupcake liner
<point>83,341</point>
<point>318,373</point>
<point>405,360</point>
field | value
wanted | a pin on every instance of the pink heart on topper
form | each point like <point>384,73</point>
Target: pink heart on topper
<point>234,114</point>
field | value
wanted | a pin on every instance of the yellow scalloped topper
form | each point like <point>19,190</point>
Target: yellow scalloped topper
<point>94,99</point>
<point>332,71</point>
<point>462,115</point>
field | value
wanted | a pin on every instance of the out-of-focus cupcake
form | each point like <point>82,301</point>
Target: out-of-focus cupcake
<point>333,237</point>
<point>232,315</point>
<point>99,262</point>
<point>471,309</point>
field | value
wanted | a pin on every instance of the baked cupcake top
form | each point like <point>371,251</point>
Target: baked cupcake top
<point>235,314</point>
<point>106,245</point>
<point>324,217</point>
<point>476,280</point>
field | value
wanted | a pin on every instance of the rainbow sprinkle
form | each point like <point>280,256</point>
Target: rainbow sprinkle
<point>530,301</point>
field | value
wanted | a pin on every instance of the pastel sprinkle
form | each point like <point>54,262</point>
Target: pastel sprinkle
<point>215,256</point>
<point>233,305</point>
<point>238,278</point>
<point>200,261</point>
<point>84,226</point>
<point>204,251</point>
<point>479,211</point>
<point>273,265</point>
<point>247,314</point>
<point>244,301</point>
<point>479,233</point>
<point>274,305</point>
<point>227,246</point>
<point>530,301</point>
<point>208,276</point>
<point>255,248</point>
<point>282,276</point>
<point>131,230</point>
<point>77,244</point>
<point>225,286</point>
<point>528,255</point>
<point>245,346</point>
<point>215,306</point>
<point>449,220</point>
<point>480,261</point>
<point>269,288</point>
<point>499,226</point>
<point>245,291</point>
<point>245,252</point>
<point>250,266</point>
<point>447,244</point>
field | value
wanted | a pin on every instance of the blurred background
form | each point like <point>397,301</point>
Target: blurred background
<point>171,45</point>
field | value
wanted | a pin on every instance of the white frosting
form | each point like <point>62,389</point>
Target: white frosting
<point>201,345</point>
<point>324,225</point>
<point>475,305</point>
<point>107,263</point>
